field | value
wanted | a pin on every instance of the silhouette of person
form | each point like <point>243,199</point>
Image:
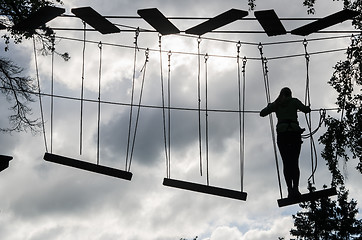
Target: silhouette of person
<point>288,136</point>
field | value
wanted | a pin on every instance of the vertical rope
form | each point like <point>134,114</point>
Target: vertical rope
<point>169,54</point>
<point>99,98</point>
<point>264,65</point>
<point>163,106</point>
<point>206,57</point>
<point>132,97</point>
<point>308,117</point>
<point>241,114</point>
<point>40,98</point>
<point>139,108</point>
<point>52,96</point>
<point>199,100</point>
<point>82,92</point>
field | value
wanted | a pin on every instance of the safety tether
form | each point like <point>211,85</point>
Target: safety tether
<point>264,62</point>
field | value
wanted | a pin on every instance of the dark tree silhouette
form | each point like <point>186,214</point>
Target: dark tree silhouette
<point>328,220</point>
<point>17,88</point>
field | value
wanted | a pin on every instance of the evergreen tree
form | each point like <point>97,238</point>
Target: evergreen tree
<point>325,219</point>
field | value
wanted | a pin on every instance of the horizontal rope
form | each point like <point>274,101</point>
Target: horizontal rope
<point>152,106</point>
<point>196,54</point>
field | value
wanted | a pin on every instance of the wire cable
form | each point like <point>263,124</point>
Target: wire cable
<point>163,105</point>
<point>206,57</point>
<point>132,98</point>
<point>199,100</point>
<point>52,93</point>
<point>138,109</point>
<point>264,62</point>
<point>82,92</point>
<point>99,99</point>
<point>40,96</point>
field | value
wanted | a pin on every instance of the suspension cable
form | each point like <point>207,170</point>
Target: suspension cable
<point>199,99</point>
<point>308,117</point>
<point>241,108</point>
<point>82,92</point>
<point>132,97</point>
<point>163,105</point>
<point>99,98</point>
<point>169,54</point>
<point>264,62</point>
<point>139,108</point>
<point>52,93</point>
<point>40,96</point>
<point>206,57</point>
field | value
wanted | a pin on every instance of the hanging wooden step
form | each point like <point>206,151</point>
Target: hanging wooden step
<point>222,192</point>
<point>4,162</point>
<point>113,172</point>
<point>307,197</point>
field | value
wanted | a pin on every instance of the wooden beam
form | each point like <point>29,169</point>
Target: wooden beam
<point>270,22</point>
<point>4,162</point>
<point>325,22</point>
<point>222,192</point>
<point>39,18</point>
<point>217,22</point>
<point>113,172</point>
<point>158,21</point>
<point>94,19</point>
<point>307,197</point>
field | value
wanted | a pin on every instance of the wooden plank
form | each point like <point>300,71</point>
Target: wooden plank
<point>113,172</point>
<point>4,162</point>
<point>222,192</point>
<point>39,18</point>
<point>325,22</point>
<point>307,197</point>
<point>270,22</point>
<point>217,22</point>
<point>94,19</point>
<point>158,21</point>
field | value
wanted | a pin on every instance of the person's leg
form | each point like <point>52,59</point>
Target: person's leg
<point>284,149</point>
<point>296,143</point>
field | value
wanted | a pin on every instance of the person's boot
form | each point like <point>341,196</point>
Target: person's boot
<point>296,192</point>
<point>290,192</point>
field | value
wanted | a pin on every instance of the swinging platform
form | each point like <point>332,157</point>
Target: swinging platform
<point>112,172</point>
<point>307,197</point>
<point>4,162</point>
<point>222,192</point>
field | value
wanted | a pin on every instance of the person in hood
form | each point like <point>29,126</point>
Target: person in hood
<point>288,136</point>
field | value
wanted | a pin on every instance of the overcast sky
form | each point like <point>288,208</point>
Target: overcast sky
<point>41,200</point>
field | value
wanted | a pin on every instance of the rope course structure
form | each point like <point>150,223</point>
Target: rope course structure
<point>272,26</point>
